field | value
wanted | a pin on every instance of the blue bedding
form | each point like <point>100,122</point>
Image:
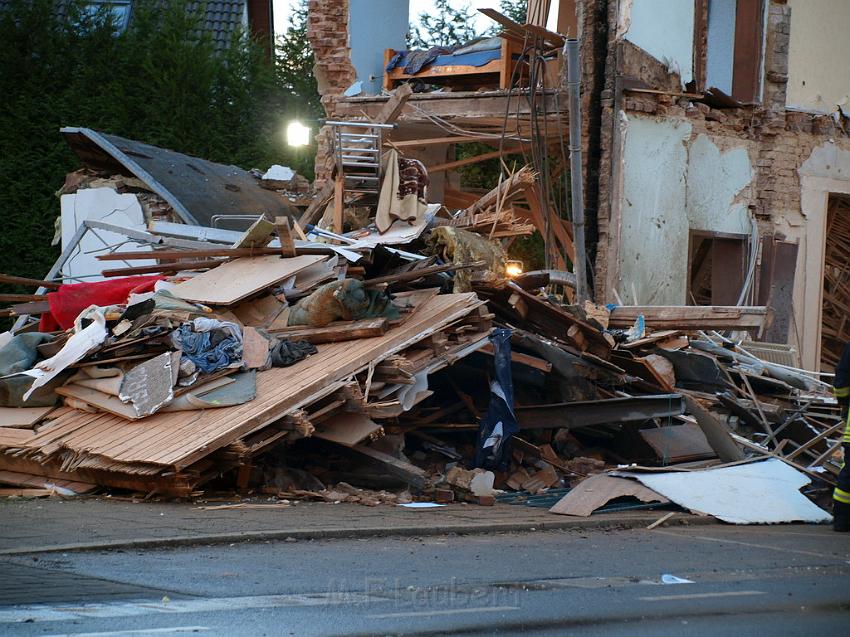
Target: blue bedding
<point>477,58</point>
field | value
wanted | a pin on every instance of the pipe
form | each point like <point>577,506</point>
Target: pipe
<point>571,52</point>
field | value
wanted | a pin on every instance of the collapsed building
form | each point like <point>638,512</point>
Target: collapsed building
<point>705,122</point>
<point>368,339</point>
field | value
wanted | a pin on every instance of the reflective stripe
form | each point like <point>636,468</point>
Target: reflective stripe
<point>847,434</point>
<point>841,496</point>
<point>841,392</point>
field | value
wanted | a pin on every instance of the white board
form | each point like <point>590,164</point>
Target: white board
<point>765,492</point>
<point>99,204</point>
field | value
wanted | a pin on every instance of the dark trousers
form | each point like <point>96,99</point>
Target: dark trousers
<point>842,489</point>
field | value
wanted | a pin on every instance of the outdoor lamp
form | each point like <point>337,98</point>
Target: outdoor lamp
<point>297,134</point>
<point>513,268</point>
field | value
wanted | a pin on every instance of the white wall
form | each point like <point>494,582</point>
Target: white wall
<point>819,55</point>
<point>671,185</point>
<point>665,30</point>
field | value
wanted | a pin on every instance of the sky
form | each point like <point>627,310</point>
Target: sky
<point>282,9</point>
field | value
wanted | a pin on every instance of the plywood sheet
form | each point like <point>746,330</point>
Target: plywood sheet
<point>180,439</point>
<point>235,280</point>
<point>347,429</point>
<point>22,416</point>
<point>765,492</point>
<point>598,490</point>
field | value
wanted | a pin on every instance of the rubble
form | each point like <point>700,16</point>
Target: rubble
<point>363,343</point>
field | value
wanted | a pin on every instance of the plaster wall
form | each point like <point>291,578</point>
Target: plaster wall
<point>818,73</point>
<point>664,29</point>
<point>674,182</point>
<point>375,25</point>
<point>827,170</point>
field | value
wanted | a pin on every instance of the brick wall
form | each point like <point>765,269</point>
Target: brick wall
<point>327,30</point>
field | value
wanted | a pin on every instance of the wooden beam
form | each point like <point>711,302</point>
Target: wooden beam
<point>178,266</point>
<point>432,141</point>
<point>473,160</point>
<point>339,203</point>
<point>202,254</point>
<point>690,317</point>
<point>284,233</point>
<point>392,109</point>
<point>35,283</point>
<point>334,332</point>
<point>410,473</point>
<point>522,359</point>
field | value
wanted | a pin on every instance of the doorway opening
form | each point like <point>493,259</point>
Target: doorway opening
<point>835,316</point>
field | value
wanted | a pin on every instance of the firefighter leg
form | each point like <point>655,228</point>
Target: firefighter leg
<point>841,495</point>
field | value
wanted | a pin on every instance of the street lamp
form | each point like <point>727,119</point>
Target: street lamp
<point>297,134</point>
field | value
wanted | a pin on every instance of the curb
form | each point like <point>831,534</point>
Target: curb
<point>362,532</point>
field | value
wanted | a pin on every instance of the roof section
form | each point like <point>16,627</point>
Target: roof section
<point>221,19</point>
<point>196,188</point>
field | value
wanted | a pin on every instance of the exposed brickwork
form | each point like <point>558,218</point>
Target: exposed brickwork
<point>327,30</point>
<point>777,140</point>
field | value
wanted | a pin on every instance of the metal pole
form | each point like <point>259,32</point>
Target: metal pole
<point>571,52</point>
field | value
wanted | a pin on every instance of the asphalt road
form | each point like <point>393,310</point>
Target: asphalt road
<point>781,580</point>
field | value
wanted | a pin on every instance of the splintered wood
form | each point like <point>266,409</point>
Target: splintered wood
<point>120,451</point>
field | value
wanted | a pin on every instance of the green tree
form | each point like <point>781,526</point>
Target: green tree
<point>295,77</point>
<point>447,25</point>
<point>161,81</point>
<point>516,10</point>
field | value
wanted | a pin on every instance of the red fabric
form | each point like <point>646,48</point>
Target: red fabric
<point>69,300</point>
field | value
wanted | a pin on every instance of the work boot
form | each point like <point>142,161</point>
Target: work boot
<point>841,517</point>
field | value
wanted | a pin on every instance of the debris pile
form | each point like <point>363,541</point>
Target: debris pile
<point>389,357</point>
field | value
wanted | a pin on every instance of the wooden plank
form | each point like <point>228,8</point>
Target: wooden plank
<point>238,279</point>
<point>339,203</point>
<point>179,440</point>
<point>35,283</point>
<point>431,141</point>
<point>334,332</point>
<point>317,206</point>
<point>284,233</point>
<point>347,429</point>
<point>209,252</point>
<point>391,111</point>
<point>22,416</point>
<point>98,399</point>
<point>474,160</point>
<point>522,359</point>
<point>690,317</point>
<point>163,268</point>
<point>411,474</point>
<point>21,298</point>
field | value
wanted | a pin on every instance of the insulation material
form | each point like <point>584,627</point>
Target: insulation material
<point>765,492</point>
<point>462,247</point>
